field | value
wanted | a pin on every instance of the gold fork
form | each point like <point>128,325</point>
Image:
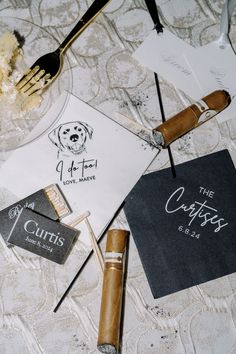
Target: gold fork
<point>48,66</point>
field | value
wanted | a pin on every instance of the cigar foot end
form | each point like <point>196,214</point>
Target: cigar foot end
<point>107,348</point>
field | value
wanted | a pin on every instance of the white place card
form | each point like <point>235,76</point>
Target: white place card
<point>163,53</point>
<point>214,66</point>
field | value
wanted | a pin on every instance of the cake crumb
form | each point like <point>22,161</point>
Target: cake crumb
<point>15,106</point>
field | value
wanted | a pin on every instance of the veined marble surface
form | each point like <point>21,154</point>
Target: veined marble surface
<point>198,320</point>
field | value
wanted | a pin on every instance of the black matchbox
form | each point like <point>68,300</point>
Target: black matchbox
<point>45,201</point>
<point>45,237</point>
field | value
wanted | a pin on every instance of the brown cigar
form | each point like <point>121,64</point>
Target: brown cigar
<point>112,292</point>
<point>193,116</point>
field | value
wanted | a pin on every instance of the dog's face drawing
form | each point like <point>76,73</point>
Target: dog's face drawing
<point>71,137</point>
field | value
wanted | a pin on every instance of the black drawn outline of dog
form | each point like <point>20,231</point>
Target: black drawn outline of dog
<point>71,137</point>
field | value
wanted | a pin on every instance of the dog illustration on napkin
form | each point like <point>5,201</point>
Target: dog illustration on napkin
<point>70,138</point>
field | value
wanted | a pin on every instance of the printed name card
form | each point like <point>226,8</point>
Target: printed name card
<point>217,73</point>
<point>215,63</point>
<point>163,53</point>
<point>184,227</point>
<point>195,71</point>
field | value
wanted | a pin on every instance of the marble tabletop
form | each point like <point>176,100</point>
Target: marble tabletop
<point>198,320</point>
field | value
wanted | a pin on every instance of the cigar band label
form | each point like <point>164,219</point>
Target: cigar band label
<point>114,257</point>
<point>207,113</point>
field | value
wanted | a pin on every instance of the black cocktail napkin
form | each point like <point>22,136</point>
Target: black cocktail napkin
<point>185,228</point>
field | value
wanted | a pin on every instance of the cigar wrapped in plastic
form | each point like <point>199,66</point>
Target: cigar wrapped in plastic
<point>112,292</point>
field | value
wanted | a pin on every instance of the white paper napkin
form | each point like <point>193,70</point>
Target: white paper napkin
<point>95,162</point>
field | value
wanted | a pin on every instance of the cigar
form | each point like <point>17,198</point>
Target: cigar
<point>193,116</point>
<point>112,292</point>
